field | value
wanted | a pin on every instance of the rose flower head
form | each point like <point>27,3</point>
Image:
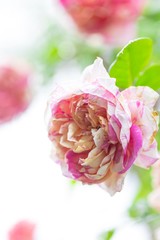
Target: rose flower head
<point>15,91</point>
<point>98,132</point>
<point>23,230</point>
<point>113,19</point>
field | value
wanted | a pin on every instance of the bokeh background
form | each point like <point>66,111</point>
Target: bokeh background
<point>40,34</point>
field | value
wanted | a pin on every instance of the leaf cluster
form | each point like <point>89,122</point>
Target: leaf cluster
<point>133,65</point>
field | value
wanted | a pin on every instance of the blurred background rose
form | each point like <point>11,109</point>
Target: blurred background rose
<point>114,20</point>
<point>15,91</point>
<point>23,230</point>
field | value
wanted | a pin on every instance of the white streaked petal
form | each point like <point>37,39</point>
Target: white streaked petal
<point>95,71</point>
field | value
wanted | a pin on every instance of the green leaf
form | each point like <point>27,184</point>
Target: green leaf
<point>130,61</point>
<point>150,77</point>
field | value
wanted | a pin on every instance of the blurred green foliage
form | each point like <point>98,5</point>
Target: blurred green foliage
<point>107,235</point>
<point>149,26</point>
<point>139,207</point>
<point>57,47</point>
<point>140,210</point>
<point>158,138</point>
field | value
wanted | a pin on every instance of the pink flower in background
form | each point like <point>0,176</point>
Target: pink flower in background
<point>15,92</point>
<point>113,19</point>
<point>23,230</point>
<point>98,132</point>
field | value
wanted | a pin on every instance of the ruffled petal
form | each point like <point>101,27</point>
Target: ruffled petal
<point>113,183</point>
<point>148,157</point>
<point>97,72</point>
<point>134,145</point>
<point>145,94</point>
<point>74,167</point>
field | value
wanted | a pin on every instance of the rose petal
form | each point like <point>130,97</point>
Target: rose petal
<point>97,72</point>
<point>72,160</point>
<point>147,95</point>
<point>113,183</point>
<point>133,147</point>
<point>148,157</point>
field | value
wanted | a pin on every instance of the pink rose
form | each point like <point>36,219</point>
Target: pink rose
<point>113,19</point>
<point>15,92</point>
<point>23,230</point>
<point>98,132</point>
